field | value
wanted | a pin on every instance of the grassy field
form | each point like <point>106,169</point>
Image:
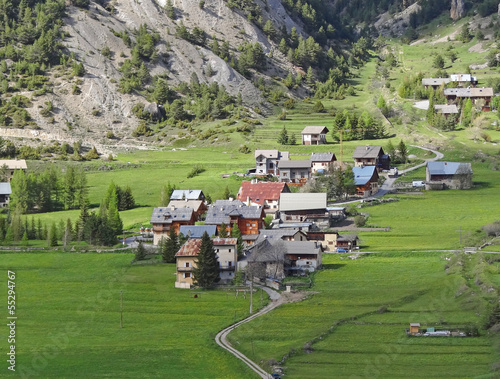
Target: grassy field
<point>68,309</point>
<point>353,323</point>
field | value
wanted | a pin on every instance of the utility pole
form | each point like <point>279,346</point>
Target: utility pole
<point>251,296</point>
<point>460,235</point>
<point>121,309</point>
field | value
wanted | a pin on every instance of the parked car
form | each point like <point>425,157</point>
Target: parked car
<point>341,250</point>
<point>275,375</point>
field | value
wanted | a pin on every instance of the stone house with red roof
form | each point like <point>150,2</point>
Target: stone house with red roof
<point>265,194</point>
<point>186,258</point>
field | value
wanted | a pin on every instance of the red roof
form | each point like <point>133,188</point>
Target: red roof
<point>190,248</point>
<point>224,241</point>
<point>261,191</point>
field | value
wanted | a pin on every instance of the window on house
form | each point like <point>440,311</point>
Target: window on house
<point>186,275</point>
<point>229,264</point>
<point>187,264</point>
<point>229,250</point>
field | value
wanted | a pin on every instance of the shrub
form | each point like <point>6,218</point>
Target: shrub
<point>360,221</point>
<point>244,149</point>
<point>197,170</point>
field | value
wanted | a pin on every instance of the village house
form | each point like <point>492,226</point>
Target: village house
<point>446,110</point>
<point>199,207</point>
<point>284,234</point>
<point>5,192</point>
<point>227,255</point>
<point>225,249</point>
<point>328,240</point>
<point>298,172</point>
<point>165,218</point>
<point>265,194</point>
<point>304,207</point>
<point>314,135</point>
<point>448,175</point>
<point>475,94</point>
<point>276,259</point>
<point>435,83</point>
<point>322,162</point>
<point>337,213</point>
<point>11,165</point>
<point>187,195</point>
<point>461,80</point>
<point>267,161</point>
<point>366,180</point>
<point>371,156</point>
<point>196,231</point>
<point>248,218</point>
<point>347,242</point>
<point>331,241</point>
<point>185,260</point>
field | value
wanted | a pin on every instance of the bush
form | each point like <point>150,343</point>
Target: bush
<point>244,149</point>
<point>197,170</point>
<point>360,221</point>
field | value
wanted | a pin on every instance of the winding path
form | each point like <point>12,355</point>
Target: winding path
<point>389,182</point>
<point>221,337</point>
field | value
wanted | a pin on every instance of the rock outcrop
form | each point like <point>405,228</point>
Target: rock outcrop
<point>457,10</point>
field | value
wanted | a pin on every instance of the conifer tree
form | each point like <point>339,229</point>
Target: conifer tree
<point>170,247</point>
<point>431,111</point>
<point>283,137</point>
<point>236,233</point>
<point>206,271</point>
<point>140,252</point>
<point>223,231</point>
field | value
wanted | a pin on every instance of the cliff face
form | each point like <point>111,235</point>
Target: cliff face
<point>100,107</point>
<point>457,9</point>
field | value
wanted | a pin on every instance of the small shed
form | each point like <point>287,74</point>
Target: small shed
<point>414,327</point>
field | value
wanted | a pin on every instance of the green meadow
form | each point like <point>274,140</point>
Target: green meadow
<point>353,323</point>
<point>68,309</point>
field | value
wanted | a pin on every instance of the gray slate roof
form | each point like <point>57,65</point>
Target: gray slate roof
<point>5,189</point>
<point>446,109</point>
<point>294,164</point>
<point>367,152</point>
<point>323,157</point>
<point>469,92</point>
<point>272,154</point>
<point>434,81</point>
<point>221,210</point>
<point>186,195</point>
<point>302,201</point>
<point>347,238</point>
<point>448,168</point>
<point>196,231</point>
<point>276,234</point>
<point>164,215</point>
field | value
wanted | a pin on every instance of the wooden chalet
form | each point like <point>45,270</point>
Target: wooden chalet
<point>314,135</point>
<point>322,162</point>
<point>165,218</point>
<point>371,156</point>
<point>366,180</point>
<point>298,172</point>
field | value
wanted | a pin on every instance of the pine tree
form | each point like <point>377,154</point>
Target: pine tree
<point>226,194</point>
<point>170,10</point>
<point>52,236</point>
<point>431,111</point>
<point>24,240</point>
<point>206,270</point>
<point>403,151</point>
<point>283,137</point>
<point>170,247</point>
<point>236,233</point>
<point>467,113</point>
<point>140,252</point>
<point>223,231</point>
